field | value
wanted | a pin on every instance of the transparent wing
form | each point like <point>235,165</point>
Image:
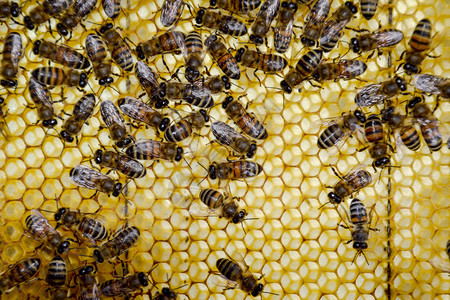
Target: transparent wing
<point>269,12</point>
<point>440,264</point>
<point>180,41</point>
<point>135,108</point>
<point>369,95</point>
<point>86,177</point>
<point>428,83</point>
<point>110,114</point>
<point>224,134</point>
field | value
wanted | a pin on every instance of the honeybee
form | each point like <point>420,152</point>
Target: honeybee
<point>433,84</point>
<point>165,294</point>
<point>379,149</point>
<point>368,8</point>
<point>373,94</point>
<point>111,7</point>
<point>96,51</point>
<point>45,11</point>
<point>148,80</point>
<point>234,169</point>
<point>343,69</point>
<point>18,273</point>
<point>192,50</point>
<point>123,286</point>
<point>315,22</point>
<point>82,111</point>
<point>87,282</point>
<point>269,63</point>
<point>56,279</point>
<point>85,228</point>
<point>226,62</point>
<point>182,129</point>
<point>375,40</point>
<point>349,184</point>
<point>283,28</point>
<point>40,228</point>
<point>265,16</point>
<point>120,52</point>
<point>41,98</point>
<point>9,9</point>
<point>340,128</point>
<point>53,76</point>
<point>238,6</point>
<point>151,149</point>
<point>79,10</point>
<point>124,164</point>
<point>225,24</point>
<point>225,206</point>
<point>419,42</point>
<point>171,11</point>
<point>216,84</point>
<point>115,123</point>
<point>228,137</point>
<point>94,180</point>
<point>192,93</point>
<point>334,26</point>
<point>408,133</point>
<point>165,43</point>
<point>120,243</point>
<point>248,122</point>
<point>12,54</point>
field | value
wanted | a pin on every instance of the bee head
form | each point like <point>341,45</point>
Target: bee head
<point>285,86</point>
<point>239,53</point>
<point>239,217</point>
<point>212,171</point>
<point>28,23</point>
<point>258,290</point>
<point>384,161</point>
<point>179,155</point>
<point>63,247</point>
<point>62,29</point>
<point>49,123</point>
<point>251,152</point>
<point>59,213</point>
<point>352,7</point>
<point>164,123</point>
<point>106,80</point>
<point>360,116</point>
<point>66,136</point>
<point>204,114</point>
<point>117,189</point>
<point>226,81</point>
<point>98,156</point>
<point>15,9</point>
<point>360,245</point>
<point>354,45</point>
<point>199,17</point>
<point>227,101</point>
<point>98,257</point>
<point>334,198</point>
<point>106,27</point>
<point>256,39</point>
<point>83,80</point>
<point>401,83</point>
<point>410,68</point>
<point>143,279</point>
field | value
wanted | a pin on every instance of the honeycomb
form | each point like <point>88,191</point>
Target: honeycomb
<point>297,245</point>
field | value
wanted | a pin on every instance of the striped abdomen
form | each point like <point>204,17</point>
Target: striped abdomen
<point>358,212</point>
<point>410,137</point>
<point>368,8</point>
<point>179,131</point>
<point>373,129</point>
<point>93,228</point>
<point>431,134</point>
<point>421,37</point>
<point>57,272</point>
<point>212,198</point>
<point>330,136</point>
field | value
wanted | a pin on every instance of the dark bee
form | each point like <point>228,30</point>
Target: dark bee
<point>53,76</point>
<point>429,124</point>
<point>39,227</point>
<point>216,84</point>
<point>115,123</point>
<point>141,112</point>
<point>433,84</point>
<point>334,26</point>
<point>248,122</point>
<point>94,180</point>
<point>234,170</point>
<point>239,6</point>
<point>419,42</point>
<point>264,18</point>
<point>226,62</point>
<point>45,11</point>
<point>307,64</point>
<point>56,278</point>
<point>151,149</point>
<point>341,128</point>
<point>120,52</point>
<point>283,29</point>
<point>183,129</point>
<point>9,9</point>
<point>228,137</point>
<point>375,40</point>
<point>349,184</point>
<point>368,8</point>
<point>165,43</point>
<point>315,22</point>
<point>408,133</point>
<point>192,93</point>
<point>165,294</point>
<point>87,284</point>
<point>225,24</point>
<point>343,69</point>
<point>111,7</point>
<point>118,244</point>
<point>96,51</point>
<point>379,149</point>
<point>148,80</point>
<point>61,54</point>
<point>192,50</point>
<point>82,111</point>
<point>85,228</point>
<point>18,273</point>
<point>306,2</point>
<point>124,286</point>
<point>373,129</point>
<point>41,98</point>
<point>79,10</point>
<point>373,94</point>
<point>225,206</point>
<point>269,63</point>
<point>171,11</point>
<point>12,54</point>
<point>124,164</point>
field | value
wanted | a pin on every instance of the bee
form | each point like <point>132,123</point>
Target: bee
<point>373,94</point>
<point>141,112</point>
<point>124,164</point>
<point>234,170</point>
<point>334,26</point>
<point>228,137</point>
<point>94,180</point>
<point>375,40</point>
<point>408,133</point>
<point>171,11</point>
<point>225,24</point>
<point>265,16</point>
<point>343,69</point>
<point>40,228</point>
<point>9,9</point>
<point>315,22</point>
<point>248,122</point>
<point>419,42</point>
<point>96,51</point>
<point>111,7</point>
<point>226,206</point>
<point>428,123</point>
<point>61,54</point>
<point>307,64</point>
<point>123,286</point>
<point>12,54</point>
<point>88,288</point>
<point>192,50</point>
<point>182,129</point>
<point>217,84</point>
<point>18,273</point>
<point>349,184</point>
<point>45,11</point>
<point>368,8</point>
<point>53,76</point>
<point>82,111</point>
<point>226,62</point>
<point>56,278</point>
<point>148,80</point>
<point>192,93</point>
<point>433,85</point>
<point>165,43</point>
<point>41,98</point>
<point>151,149</point>
<point>238,6</point>
<point>120,243</point>
<point>120,52</point>
<point>283,28</point>
<point>115,123</point>
<point>374,133</point>
<point>345,126</point>
<point>269,63</point>
<point>166,294</point>
<point>79,10</point>
<point>87,229</point>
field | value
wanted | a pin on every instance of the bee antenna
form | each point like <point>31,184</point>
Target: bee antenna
<point>242,225</point>
<point>49,211</point>
<point>181,286</point>
<point>202,166</point>
<point>185,160</point>
<point>237,85</point>
<point>98,24</point>
<point>271,293</point>
<point>114,89</point>
<point>273,87</point>
<point>324,205</point>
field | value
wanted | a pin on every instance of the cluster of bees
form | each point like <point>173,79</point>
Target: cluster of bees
<point>320,34</point>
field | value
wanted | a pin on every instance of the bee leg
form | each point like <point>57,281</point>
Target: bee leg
<point>165,64</point>
<point>254,73</point>
<point>335,172</point>
<point>437,104</point>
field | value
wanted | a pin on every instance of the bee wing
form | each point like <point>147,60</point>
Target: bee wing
<point>110,114</point>
<point>369,95</point>
<point>167,15</point>
<point>321,11</point>
<point>440,264</point>
<point>331,30</point>
<point>269,11</point>
<point>86,177</point>
<point>224,134</point>
<point>221,281</point>
<point>428,83</point>
<point>201,211</point>
<point>200,91</point>
<point>135,109</point>
<point>388,38</point>
<point>180,41</point>
<point>40,91</point>
<point>44,229</point>
<point>127,163</point>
